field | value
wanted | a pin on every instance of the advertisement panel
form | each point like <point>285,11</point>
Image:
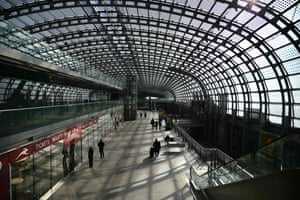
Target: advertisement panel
<point>20,154</point>
<point>4,177</point>
<point>72,135</point>
<point>39,145</point>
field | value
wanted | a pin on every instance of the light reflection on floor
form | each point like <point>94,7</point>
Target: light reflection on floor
<point>127,172</point>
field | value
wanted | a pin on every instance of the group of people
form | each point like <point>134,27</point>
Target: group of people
<point>155,149</point>
<point>101,145</point>
<point>155,124</point>
<point>141,115</point>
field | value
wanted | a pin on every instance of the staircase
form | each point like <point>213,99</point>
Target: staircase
<point>262,174</point>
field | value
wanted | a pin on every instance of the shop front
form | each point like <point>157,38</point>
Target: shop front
<point>30,171</point>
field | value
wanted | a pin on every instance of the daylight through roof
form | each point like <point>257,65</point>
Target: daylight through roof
<point>240,54</point>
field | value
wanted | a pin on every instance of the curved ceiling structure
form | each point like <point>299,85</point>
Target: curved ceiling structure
<point>241,52</point>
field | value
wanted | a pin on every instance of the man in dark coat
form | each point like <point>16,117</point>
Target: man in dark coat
<point>101,148</point>
<point>91,156</point>
<point>156,146</point>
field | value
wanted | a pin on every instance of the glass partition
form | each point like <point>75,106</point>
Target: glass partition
<point>283,153</point>
<point>21,178</point>
<point>23,119</point>
<point>42,172</point>
<point>34,169</point>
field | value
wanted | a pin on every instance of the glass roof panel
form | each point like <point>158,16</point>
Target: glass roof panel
<point>272,84</point>
<point>219,8</point>
<point>244,17</point>
<point>253,52</point>
<point>256,22</point>
<point>231,13</point>
<point>292,67</point>
<point>47,15</point>
<point>206,5</point>
<point>190,35</point>
<point>288,52</point>
<point>282,5</point>
<point>268,72</point>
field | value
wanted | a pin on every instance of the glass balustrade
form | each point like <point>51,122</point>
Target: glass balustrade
<point>19,120</point>
<point>273,157</point>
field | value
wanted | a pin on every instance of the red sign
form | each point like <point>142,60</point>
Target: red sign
<point>4,177</point>
<point>57,137</point>
<point>3,163</point>
<point>47,142</point>
<point>21,153</point>
<point>72,135</point>
<point>42,144</point>
<point>26,151</point>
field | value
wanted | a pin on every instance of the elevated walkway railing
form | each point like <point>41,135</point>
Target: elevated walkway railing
<point>22,119</point>
<point>212,156</point>
<point>270,158</point>
<point>273,157</point>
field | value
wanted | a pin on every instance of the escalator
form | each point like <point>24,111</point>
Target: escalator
<point>271,172</point>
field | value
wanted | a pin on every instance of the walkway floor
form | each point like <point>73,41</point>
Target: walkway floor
<point>127,172</point>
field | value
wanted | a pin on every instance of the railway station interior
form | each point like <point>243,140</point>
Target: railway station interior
<point>219,78</point>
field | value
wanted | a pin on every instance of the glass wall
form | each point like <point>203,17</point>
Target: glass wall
<point>56,162</point>
<point>33,175</point>
<point>35,168</point>
<point>21,178</point>
<point>42,171</point>
<point>29,118</point>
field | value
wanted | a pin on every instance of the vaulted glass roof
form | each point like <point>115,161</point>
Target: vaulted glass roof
<point>242,53</point>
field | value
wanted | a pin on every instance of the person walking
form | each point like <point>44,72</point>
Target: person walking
<point>101,148</point>
<point>65,156</point>
<point>156,125</point>
<point>152,123</point>
<point>156,146</point>
<point>91,156</point>
<point>159,124</point>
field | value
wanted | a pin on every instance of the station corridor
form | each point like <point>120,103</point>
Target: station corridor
<point>128,173</point>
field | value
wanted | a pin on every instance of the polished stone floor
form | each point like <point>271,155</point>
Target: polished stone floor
<point>128,173</point>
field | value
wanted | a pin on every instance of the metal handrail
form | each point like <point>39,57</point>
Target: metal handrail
<point>207,153</point>
<point>245,166</point>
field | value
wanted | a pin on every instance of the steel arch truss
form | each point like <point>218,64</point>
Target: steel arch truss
<point>244,54</point>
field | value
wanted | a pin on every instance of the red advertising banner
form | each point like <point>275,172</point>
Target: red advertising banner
<point>42,144</point>
<point>3,163</point>
<point>4,177</point>
<point>47,142</point>
<point>21,153</point>
<point>57,138</point>
<point>72,135</point>
<point>26,151</point>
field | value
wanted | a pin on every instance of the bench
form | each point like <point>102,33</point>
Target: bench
<point>175,144</point>
<point>173,139</point>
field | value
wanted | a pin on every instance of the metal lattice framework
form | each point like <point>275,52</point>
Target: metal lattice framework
<point>244,53</point>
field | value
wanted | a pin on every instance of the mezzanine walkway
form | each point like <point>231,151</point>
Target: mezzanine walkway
<point>127,172</point>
